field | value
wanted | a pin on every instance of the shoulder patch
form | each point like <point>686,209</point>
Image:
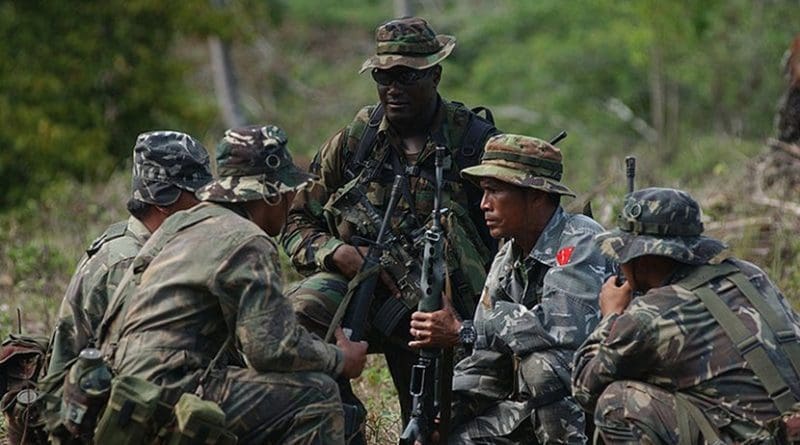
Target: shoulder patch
<point>564,255</point>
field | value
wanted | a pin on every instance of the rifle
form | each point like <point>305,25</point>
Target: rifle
<point>354,323</point>
<point>558,137</point>
<point>630,175</point>
<point>431,392</point>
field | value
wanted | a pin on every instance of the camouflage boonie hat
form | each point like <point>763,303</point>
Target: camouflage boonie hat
<point>408,42</point>
<point>659,221</point>
<point>166,161</point>
<point>523,161</point>
<point>253,163</point>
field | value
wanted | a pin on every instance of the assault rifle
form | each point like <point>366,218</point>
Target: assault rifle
<point>630,175</point>
<point>430,385</point>
<point>354,323</point>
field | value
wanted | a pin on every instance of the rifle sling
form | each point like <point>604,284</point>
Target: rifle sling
<point>748,345</point>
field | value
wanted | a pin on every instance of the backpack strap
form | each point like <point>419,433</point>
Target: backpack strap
<point>355,163</point>
<point>746,343</point>
<point>118,303</point>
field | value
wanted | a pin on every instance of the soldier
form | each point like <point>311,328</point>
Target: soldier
<point>398,136</point>
<point>210,274</point>
<point>707,354</point>
<point>168,167</point>
<point>538,305</point>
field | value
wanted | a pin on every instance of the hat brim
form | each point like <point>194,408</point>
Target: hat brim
<point>623,247</point>
<point>252,188</point>
<point>155,193</point>
<point>386,61</point>
<point>515,177</point>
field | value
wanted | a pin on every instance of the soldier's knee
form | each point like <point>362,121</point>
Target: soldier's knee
<point>611,403</point>
<point>325,386</point>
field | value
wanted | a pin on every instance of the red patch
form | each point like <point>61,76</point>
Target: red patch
<point>563,255</point>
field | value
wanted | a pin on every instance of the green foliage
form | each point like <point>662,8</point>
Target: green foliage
<point>79,83</point>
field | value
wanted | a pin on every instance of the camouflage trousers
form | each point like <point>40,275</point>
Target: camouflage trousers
<point>631,412</point>
<point>288,408</point>
<point>538,411</point>
<point>315,301</point>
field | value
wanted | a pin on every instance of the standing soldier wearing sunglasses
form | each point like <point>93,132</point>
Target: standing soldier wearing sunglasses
<point>397,136</point>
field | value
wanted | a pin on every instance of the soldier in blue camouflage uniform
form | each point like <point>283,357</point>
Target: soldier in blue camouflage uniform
<point>208,281</point>
<point>168,167</point>
<point>539,303</point>
<point>663,367</point>
<point>397,136</point>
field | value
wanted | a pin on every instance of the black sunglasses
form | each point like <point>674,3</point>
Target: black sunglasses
<point>403,77</point>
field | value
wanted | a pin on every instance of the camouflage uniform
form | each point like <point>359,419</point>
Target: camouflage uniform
<point>164,162</point>
<point>209,273</point>
<point>643,371</point>
<point>535,311</point>
<point>322,220</point>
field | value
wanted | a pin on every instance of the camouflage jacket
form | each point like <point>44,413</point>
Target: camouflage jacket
<point>94,282</point>
<point>208,273</point>
<point>668,339</point>
<point>318,223</point>
<point>546,301</point>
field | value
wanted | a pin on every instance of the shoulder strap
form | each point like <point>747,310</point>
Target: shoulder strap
<point>354,163</point>
<point>474,133</point>
<point>116,230</point>
<point>746,343</point>
<point>165,233</point>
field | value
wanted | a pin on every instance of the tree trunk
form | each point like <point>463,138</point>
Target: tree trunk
<point>225,85</point>
<point>402,8</point>
<point>225,82</point>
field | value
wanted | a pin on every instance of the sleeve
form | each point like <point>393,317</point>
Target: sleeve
<point>622,347</point>
<point>248,284</point>
<point>568,310</point>
<point>306,237</point>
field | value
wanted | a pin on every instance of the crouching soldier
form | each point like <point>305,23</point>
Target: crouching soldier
<point>205,290</point>
<point>708,354</point>
<point>539,303</point>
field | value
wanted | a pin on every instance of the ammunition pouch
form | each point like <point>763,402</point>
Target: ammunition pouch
<point>135,414</point>
<point>199,422</point>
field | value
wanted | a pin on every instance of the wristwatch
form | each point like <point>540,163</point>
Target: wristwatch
<point>467,334</point>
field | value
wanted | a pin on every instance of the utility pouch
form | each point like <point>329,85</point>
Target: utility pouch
<point>199,422</point>
<point>134,414</point>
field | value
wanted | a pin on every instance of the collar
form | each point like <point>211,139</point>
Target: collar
<point>138,229</point>
<point>549,241</point>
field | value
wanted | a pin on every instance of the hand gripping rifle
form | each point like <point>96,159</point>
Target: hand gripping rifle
<point>430,387</point>
<point>354,323</point>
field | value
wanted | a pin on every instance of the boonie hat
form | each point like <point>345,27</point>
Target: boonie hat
<point>523,161</point>
<point>408,42</point>
<point>659,221</point>
<point>164,160</point>
<point>253,163</point>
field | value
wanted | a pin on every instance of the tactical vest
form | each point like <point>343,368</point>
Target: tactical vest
<point>371,172</point>
<point>748,345</point>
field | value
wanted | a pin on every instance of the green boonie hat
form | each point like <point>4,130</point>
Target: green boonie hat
<point>164,162</point>
<point>659,221</point>
<point>253,163</point>
<point>520,160</point>
<point>408,42</point>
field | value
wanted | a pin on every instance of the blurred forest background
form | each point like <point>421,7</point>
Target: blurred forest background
<point>690,87</point>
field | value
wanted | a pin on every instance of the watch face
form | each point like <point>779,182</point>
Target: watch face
<point>467,335</point>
